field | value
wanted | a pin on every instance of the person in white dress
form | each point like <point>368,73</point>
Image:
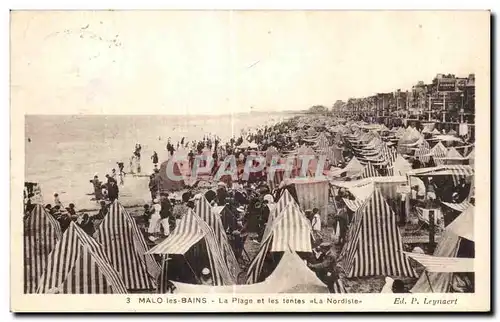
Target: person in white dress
<point>154,221</point>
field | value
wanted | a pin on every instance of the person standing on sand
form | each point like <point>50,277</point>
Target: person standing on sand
<point>97,187</point>
<point>113,174</point>
<point>137,154</point>
<point>153,188</point>
<point>112,191</point>
<point>131,164</point>
<point>154,221</point>
<point>154,157</point>
<point>121,167</point>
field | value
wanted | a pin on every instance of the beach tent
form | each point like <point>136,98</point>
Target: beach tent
<point>334,154</point>
<point>304,281</point>
<point>447,138</point>
<point>189,234</point>
<point>452,132</point>
<point>360,193</point>
<point>388,186</point>
<point>354,167</point>
<point>79,265</point>
<point>455,171</point>
<point>227,215</point>
<point>472,157</point>
<point>312,193</point>
<point>284,199</point>
<point>410,137</point>
<point>401,166</point>
<point>205,212</point>
<point>436,132</point>
<point>460,207</point>
<point>453,153</point>
<point>374,246</point>
<point>439,150</point>
<point>452,157</point>
<point>423,152</point>
<point>174,181</point>
<point>370,171</point>
<point>428,127</point>
<point>322,143</point>
<point>453,254</point>
<point>41,233</point>
<point>290,230</point>
<point>125,246</point>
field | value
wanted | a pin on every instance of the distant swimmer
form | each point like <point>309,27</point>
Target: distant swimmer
<point>29,140</point>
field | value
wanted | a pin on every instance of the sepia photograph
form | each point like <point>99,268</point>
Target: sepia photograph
<point>181,161</point>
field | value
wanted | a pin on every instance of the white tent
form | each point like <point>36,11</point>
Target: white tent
<point>303,281</point>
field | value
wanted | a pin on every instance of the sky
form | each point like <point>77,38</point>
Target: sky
<point>218,62</point>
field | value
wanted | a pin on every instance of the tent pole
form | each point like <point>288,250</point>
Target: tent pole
<point>192,270</point>
<point>429,280</point>
<point>165,265</point>
<point>159,287</point>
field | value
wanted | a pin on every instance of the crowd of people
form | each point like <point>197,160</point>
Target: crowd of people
<point>249,201</point>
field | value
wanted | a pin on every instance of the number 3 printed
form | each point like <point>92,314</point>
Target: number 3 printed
<point>128,299</point>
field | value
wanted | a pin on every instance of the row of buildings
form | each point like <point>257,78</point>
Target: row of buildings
<point>447,98</point>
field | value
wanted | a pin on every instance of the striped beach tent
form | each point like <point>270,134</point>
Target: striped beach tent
<point>79,265</point>
<point>439,150</point>
<point>214,221</point>
<point>126,248</point>
<point>312,193</point>
<point>370,171</point>
<point>284,200</point>
<point>41,233</point>
<point>424,151</point>
<point>321,142</point>
<point>291,230</point>
<point>455,171</point>
<point>190,231</point>
<point>353,204</point>
<point>374,246</point>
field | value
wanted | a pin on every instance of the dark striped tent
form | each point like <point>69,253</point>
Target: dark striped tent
<point>205,212</point>
<point>126,248</point>
<point>79,265</point>
<point>190,232</point>
<point>374,246</point>
<point>285,199</point>
<point>370,171</point>
<point>41,233</point>
<point>290,230</point>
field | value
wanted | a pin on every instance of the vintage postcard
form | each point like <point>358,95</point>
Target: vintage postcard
<point>250,161</point>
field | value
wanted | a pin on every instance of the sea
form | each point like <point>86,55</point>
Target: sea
<point>64,152</point>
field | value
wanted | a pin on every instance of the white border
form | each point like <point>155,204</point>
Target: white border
<point>257,4</point>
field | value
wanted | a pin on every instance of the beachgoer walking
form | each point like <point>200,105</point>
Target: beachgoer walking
<point>154,157</point>
<point>112,190</point>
